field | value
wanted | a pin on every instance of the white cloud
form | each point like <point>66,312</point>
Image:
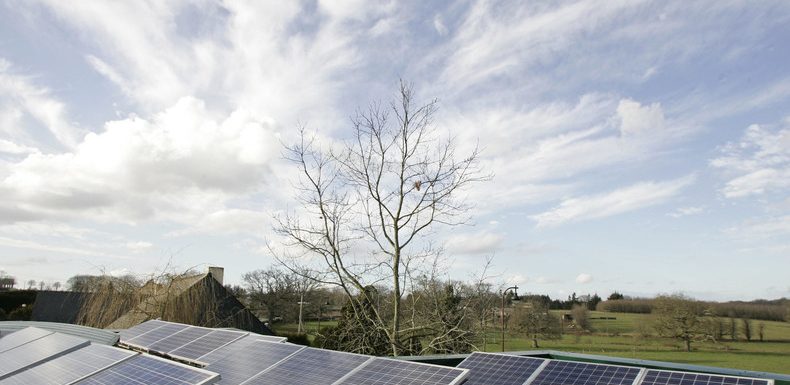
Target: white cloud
<point>21,97</point>
<point>584,278</point>
<point>439,26</point>
<point>611,203</point>
<point>474,243</point>
<point>636,119</point>
<point>686,211</point>
<point>758,164</point>
<point>180,165</point>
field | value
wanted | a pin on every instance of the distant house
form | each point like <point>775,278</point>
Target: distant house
<point>199,300</point>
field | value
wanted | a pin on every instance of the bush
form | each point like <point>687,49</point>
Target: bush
<point>21,314</point>
<point>3,315</point>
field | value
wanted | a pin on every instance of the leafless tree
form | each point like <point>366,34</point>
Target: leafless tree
<point>30,284</point>
<point>56,285</point>
<point>383,191</point>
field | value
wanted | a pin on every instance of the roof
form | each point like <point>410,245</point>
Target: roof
<point>98,336</point>
<point>207,301</point>
<point>58,306</point>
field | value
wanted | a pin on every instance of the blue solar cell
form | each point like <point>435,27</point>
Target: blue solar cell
<point>144,369</point>
<point>579,373</point>
<point>70,367</point>
<point>147,339</point>
<point>499,369</point>
<point>310,367</point>
<point>31,353</point>
<point>244,362</point>
<point>21,337</point>
<point>142,328</point>
<point>206,344</point>
<point>179,339</point>
<point>382,371</point>
<point>666,377</point>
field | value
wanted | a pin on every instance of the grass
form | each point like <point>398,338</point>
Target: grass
<point>620,337</point>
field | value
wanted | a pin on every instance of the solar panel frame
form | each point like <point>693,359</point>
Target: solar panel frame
<point>71,367</point>
<point>204,346</point>
<point>672,377</point>
<point>500,369</point>
<point>139,329</point>
<point>145,340</point>
<point>572,372</point>
<point>310,366</point>
<point>240,364</point>
<point>148,369</point>
<point>21,337</point>
<point>386,372</point>
<point>32,353</point>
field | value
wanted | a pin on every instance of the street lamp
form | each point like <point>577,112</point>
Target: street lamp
<point>515,298</point>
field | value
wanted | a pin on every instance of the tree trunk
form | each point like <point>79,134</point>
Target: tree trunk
<point>395,337</point>
<point>688,345</point>
<point>535,342</point>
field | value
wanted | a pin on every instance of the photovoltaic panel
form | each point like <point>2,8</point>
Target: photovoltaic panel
<point>142,328</point>
<point>222,352</point>
<point>271,338</point>
<point>206,344</point>
<point>70,367</point>
<point>21,337</point>
<point>579,373</point>
<point>382,371</point>
<point>239,365</point>
<point>666,377</point>
<point>147,339</point>
<point>310,367</point>
<point>145,369</point>
<point>179,339</point>
<point>499,369</point>
<point>31,353</point>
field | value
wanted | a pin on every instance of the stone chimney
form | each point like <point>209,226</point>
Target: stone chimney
<point>218,273</point>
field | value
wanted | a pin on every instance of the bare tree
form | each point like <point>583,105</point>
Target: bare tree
<point>537,322</point>
<point>30,284</point>
<point>383,191</point>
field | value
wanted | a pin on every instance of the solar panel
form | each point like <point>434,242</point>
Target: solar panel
<point>382,371</point>
<point>206,344</point>
<point>579,373</point>
<point>499,369</point>
<point>310,367</point>
<point>21,337</point>
<point>147,339</point>
<point>666,377</point>
<point>27,355</point>
<point>142,328</point>
<point>270,338</point>
<point>145,369</point>
<point>178,339</point>
<point>222,352</point>
<point>241,364</point>
<point>70,367</point>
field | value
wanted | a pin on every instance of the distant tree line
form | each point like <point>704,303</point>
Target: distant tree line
<point>777,310</point>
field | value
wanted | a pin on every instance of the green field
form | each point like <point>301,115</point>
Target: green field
<point>620,338</point>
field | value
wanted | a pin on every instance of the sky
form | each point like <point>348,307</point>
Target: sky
<point>636,146</point>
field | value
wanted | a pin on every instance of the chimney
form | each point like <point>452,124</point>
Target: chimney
<point>217,272</point>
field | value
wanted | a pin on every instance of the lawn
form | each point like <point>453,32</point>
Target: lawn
<point>620,337</point>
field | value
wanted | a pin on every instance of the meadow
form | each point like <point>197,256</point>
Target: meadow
<point>629,336</point>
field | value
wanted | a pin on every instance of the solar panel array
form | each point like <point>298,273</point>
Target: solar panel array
<point>499,369</point>
<point>35,356</point>
<point>666,377</point>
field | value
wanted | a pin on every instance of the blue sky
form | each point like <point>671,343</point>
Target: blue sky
<point>637,146</point>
